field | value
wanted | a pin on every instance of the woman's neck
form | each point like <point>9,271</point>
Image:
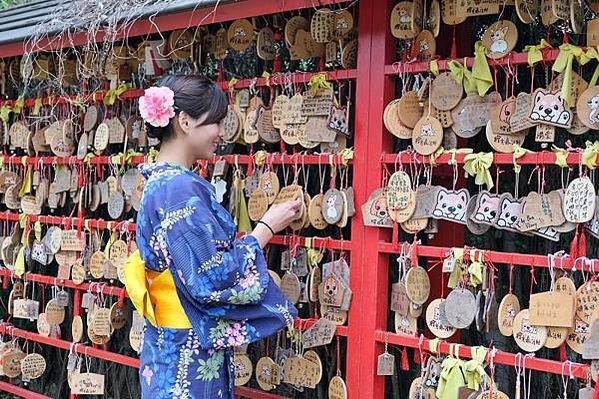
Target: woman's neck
<point>170,152</point>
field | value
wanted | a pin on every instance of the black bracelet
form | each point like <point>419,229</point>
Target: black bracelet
<point>267,226</point>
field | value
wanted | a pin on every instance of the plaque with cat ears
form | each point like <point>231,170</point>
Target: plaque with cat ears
<point>338,120</point>
<point>500,39</point>
<point>550,108</point>
<point>451,205</point>
<point>472,224</point>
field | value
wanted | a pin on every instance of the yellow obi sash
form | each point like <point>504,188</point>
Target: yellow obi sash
<point>154,294</point>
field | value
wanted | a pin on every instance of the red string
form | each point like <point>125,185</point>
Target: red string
<point>338,356</point>
<point>511,277</point>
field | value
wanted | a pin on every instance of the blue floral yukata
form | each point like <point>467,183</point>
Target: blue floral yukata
<point>222,283</point>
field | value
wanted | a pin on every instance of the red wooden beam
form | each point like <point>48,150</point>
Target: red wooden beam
<point>495,257</point>
<point>251,393</point>
<point>178,20</point>
<point>274,80</point>
<point>512,59</point>
<point>22,392</point>
<point>579,370</point>
<point>368,281</point>
<point>8,329</point>
<point>531,158</point>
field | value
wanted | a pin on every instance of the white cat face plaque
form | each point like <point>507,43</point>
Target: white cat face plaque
<point>451,205</point>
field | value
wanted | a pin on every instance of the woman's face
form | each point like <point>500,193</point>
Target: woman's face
<point>201,140</point>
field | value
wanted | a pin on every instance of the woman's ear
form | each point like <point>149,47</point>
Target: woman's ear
<point>184,122</point>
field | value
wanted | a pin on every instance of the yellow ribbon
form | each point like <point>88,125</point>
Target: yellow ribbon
<point>5,112</point>
<point>476,271</point>
<point>37,106</point>
<point>474,369</point>
<point>113,94</point>
<point>535,54</point>
<point>20,262</point>
<point>152,155</point>
<point>77,102</point>
<point>314,257</point>
<point>19,104</point>
<point>478,165</point>
<point>589,155</point>
<point>462,75</point>
<point>561,156</point>
<point>480,69</point>
<point>434,67</point>
<point>563,64</point>
<point>37,228</point>
<point>451,378</point>
<point>27,181</point>
<point>518,153</point>
<point>232,83</point>
<point>347,154</point>
<point>454,277</point>
<point>433,157</point>
<point>260,157</point>
<point>318,82</point>
<point>266,77</point>
<point>593,53</point>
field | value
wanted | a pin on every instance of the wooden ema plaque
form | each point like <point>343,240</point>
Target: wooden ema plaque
<point>240,34</point>
<point>33,366</point>
<point>87,384</point>
<point>427,135</point>
<point>508,309</point>
<point>527,10</point>
<point>500,39</point>
<point>320,333</point>
<point>399,190</point>
<point>337,388</point>
<point>409,110</point>
<point>302,372</point>
<point>243,369</point>
<point>528,337</point>
<point>553,309</point>
<point>446,92</point>
<point>401,20</point>
<point>434,322</point>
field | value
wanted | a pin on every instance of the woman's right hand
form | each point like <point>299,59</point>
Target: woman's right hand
<point>279,216</point>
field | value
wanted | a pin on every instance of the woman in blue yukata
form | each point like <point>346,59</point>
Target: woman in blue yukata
<point>201,290</point>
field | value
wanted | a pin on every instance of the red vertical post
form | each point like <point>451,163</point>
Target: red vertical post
<point>356,321</point>
<point>369,268</point>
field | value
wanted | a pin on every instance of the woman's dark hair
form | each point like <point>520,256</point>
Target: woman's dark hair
<point>197,96</point>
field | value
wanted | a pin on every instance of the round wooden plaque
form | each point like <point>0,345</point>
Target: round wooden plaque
<point>242,365</point>
<point>527,10</point>
<point>269,182</point>
<point>508,309</point>
<point>418,285</point>
<point>337,388</point>
<point>587,107</point>
<point>434,323</point>
<point>460,308</point>
<point>446,92</point>
<point>240,34</point>
<point>500,39</point>
<point>577,335</point>
<point>33,366</point>
<point>556,336</point>
<point>427,135</point>
<point>504,142</point>
<point>409,109</point>
<point>528,337</point>
<point>257,204</point>
<point>77,328</point>
<point>332,206</point>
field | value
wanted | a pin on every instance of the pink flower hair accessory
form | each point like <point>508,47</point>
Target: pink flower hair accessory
<point>157,106</point>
